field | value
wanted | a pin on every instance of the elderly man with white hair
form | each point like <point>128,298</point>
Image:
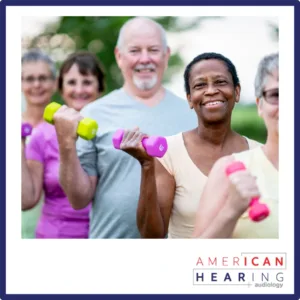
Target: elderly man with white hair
<point>94,171</point>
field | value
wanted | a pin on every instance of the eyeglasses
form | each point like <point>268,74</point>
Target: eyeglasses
<point>271,96</point>
<point>41,79</point>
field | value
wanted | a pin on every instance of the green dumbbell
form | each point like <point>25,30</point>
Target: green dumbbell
<point>87,128</point>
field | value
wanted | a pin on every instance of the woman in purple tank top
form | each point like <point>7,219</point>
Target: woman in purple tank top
<point>80,81</point>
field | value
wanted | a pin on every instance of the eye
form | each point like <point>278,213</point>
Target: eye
<point>43,78</point>
<point>275,94</point>
<point>200,85</point>
<point>29,79</point>
<point>71,82</point>
<point>133,51</point>
<point>87,82</point>
<point>154,50</point>
<point>221,82</point>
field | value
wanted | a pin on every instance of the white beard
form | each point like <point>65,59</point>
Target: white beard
<point>145,84</point>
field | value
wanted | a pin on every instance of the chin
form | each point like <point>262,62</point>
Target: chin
<point>39,102</point>
<point>79,105</point>
<point>145,85</point>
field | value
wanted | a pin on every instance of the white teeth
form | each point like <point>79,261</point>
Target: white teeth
<point>213,103</point>
<point>145,70</point>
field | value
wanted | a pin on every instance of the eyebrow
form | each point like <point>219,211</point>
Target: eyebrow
<point>214,77</point>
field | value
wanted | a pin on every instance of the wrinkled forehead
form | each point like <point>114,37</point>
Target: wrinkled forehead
<point>142,34</point>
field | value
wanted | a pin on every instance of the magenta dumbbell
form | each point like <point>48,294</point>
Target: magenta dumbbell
<point>258,211</point>
<point>26,129</point>
<point>155,146</point>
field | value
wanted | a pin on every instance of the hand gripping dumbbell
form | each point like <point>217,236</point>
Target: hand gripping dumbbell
<point>155,146</point>
<point>258,211</point>
<point>26,130</point>
<point>87,128</point>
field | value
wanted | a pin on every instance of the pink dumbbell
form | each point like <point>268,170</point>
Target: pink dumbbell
<point>26,129</point>
<point>155,146</point>
<point>258,211</point>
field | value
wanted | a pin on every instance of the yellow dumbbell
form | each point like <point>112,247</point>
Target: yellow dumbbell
<point>87,128</point>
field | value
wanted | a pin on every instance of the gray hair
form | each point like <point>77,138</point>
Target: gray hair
<point>265,68</point>
<point>35,55</point>
<point>127,23</point>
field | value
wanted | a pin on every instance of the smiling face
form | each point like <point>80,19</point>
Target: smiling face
<point>38,84</point>
<point>212,92</point>
<point>77,89</point>
<point>142,57</point>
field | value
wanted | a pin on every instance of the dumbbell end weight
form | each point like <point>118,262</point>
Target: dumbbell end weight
<point>49,112</point>
<point>26,130</point>
<point>117,138</point>
<point>155,146</point>
<point>87,128</point>
<point>259,212</point>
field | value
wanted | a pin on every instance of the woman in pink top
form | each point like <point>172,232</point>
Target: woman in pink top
<point>81,81</point>
<point>38,86</point>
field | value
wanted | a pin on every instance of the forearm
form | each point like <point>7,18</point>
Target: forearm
<point>149,217</point>
<point>74,180</point>
<point>222,226</point>
<point>28,198</point>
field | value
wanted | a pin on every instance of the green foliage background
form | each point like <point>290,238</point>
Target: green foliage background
<point>99,35</point>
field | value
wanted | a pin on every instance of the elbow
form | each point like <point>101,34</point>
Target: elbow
<point>26,205</point>
<point>78,205</point>
<point>28,200</point>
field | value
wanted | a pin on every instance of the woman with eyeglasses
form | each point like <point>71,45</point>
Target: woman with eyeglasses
<point>38,86</point>
<point>224,206</point>
<point>80,81</point>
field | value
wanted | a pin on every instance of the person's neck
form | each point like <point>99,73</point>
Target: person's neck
<point>33,114</point>
<point>148,97</point>
<point>271,150</point>
<point>214,133</point>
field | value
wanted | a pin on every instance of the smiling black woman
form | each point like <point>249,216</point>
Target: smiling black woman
<point>171,186</point>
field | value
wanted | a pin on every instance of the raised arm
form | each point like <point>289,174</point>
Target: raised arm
<point>156,200</point>
<point>157,189</point>
<point>223,201</point>
<point>213,196</point>
<point>79,186</point>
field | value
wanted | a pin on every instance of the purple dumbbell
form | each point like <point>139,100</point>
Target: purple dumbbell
<point>26,129</point>
<point>155,146</point>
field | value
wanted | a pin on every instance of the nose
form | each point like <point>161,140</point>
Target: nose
<point>144,58</point>
<point>36,83</point>
<point>211,89</point>
<point>78,88</point>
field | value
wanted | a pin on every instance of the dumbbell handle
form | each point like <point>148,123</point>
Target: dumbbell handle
<point>155,146</point>
<point>87,128</point>
<point>258,211</point>
<point>26,129</point>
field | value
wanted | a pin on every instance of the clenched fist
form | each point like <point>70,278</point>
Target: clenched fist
<point>66,121</point>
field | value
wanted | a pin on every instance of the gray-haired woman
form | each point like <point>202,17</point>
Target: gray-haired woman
<point>223,210</point>
<point>38,77</point>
